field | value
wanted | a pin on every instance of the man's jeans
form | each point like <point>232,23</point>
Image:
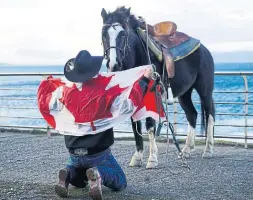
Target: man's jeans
<point>112,175</point>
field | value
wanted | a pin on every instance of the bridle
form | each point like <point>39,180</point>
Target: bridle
<point>124,51</point>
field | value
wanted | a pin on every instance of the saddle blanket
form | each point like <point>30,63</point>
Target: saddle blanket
<point>96,105</point>
<point>184,49</point>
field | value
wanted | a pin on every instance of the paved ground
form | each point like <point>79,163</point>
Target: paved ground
<point>29,166</point>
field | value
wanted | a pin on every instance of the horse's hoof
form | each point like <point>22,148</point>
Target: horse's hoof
<point>192,148</point>
<point>207,154</point>
<point>186,152</point>
<point>185,155</point>
<point>151,164</point>
<point>135,162</point>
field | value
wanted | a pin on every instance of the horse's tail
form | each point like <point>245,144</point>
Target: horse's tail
<point>203,120</point>
<point>214,111</point>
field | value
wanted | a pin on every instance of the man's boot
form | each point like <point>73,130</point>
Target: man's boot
<point>61,188</point>
<point>95,191</point>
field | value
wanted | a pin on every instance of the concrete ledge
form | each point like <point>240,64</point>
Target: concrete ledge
<point>160,139</point>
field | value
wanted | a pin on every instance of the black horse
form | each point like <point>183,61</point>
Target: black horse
<point>124,49</point>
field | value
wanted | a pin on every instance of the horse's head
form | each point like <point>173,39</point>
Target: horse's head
<point>120,41</point>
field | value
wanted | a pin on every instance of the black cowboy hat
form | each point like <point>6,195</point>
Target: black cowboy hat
<point>83,67</point>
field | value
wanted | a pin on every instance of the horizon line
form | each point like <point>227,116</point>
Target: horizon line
<point>58,65</point>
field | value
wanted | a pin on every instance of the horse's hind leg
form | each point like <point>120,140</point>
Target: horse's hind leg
<point>191,115</point>
<point>208,104</point>
<point>204,86</point>
<point>153,150</point>
<point>137,158</point>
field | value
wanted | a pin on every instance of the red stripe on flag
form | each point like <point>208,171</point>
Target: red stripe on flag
<point>45,90</point>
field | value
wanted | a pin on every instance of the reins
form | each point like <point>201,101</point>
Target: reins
<point>159,88</point>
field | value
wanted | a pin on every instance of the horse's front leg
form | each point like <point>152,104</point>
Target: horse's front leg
<point>153,150</point>
<point>137,158</point>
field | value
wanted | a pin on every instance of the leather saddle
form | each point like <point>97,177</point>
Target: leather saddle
<point>166,34</point>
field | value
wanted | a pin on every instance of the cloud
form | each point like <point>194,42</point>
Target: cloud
<point>51,31</point>
<point>39,53</point>
<point>232,46</point>
<point>233,57</point>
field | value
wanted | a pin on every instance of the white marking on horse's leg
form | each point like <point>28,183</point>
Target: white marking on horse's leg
<point>170,96</point>
<point>153,150</point>
<point>209,140</point>
<point>137,159</point>
<point>113,33</point>
<point>190,141</point>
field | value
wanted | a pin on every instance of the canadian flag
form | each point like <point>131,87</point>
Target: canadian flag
<point>98,104</point>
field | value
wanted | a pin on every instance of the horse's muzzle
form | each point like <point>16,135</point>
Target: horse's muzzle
<point>114,66</point>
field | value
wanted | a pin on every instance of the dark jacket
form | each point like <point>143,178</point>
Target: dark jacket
<point>100,141</point>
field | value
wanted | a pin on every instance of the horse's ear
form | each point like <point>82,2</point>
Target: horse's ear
<point>104,14</point>
<point>128,11</point>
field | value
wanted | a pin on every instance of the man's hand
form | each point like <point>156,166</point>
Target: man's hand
<point>148,73</point>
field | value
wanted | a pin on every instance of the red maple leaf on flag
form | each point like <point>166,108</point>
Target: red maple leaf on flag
<point>92,102</point>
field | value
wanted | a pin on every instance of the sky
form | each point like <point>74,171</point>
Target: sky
<point>49,32</point>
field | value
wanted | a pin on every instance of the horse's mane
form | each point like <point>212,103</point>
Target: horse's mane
<point>124,13</point>
<point>121,9</point>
